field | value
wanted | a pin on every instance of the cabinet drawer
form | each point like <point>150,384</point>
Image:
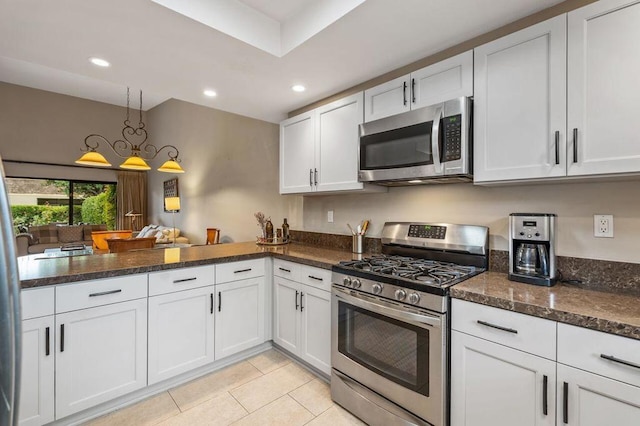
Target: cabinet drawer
<point>526,333</point>
<point>315,277</point>
<point>286,269</point>
<point>87,294</point>
<point>227,272</point>
<point>583,348</point>
<point>37,302</point>
<point>180,279</point>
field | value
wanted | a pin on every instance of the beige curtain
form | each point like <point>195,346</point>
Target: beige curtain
<point>131,195</point>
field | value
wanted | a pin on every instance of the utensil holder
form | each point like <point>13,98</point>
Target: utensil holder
<point>357,243</point>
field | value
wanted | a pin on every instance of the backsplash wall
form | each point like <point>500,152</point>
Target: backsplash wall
<point>574,203</point>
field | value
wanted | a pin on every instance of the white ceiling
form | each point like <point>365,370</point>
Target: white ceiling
<point>46,45</point>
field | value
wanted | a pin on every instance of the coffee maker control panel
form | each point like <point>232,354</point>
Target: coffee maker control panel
<point>530,228</point>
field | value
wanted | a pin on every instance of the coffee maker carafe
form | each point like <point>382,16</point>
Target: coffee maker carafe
<point>532,248</point>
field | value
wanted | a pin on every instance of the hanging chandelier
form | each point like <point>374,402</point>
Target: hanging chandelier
<point>133,147</point>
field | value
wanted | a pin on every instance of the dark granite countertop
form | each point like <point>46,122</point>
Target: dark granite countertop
<point>609,312</point>
<point>39,270</point>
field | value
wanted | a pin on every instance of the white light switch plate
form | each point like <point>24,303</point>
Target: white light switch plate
<point>330,216</point>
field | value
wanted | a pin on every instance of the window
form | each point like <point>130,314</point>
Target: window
<point>42,201</point>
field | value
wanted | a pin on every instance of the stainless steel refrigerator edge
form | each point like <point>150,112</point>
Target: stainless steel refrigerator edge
<point>10,329</point>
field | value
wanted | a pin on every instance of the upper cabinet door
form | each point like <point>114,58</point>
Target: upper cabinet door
<point>520,104</point>
<point>603,88</point>
<point>337,140</point>
<point>442,81</point>
<point>390,98</point>
<point>297,140</point>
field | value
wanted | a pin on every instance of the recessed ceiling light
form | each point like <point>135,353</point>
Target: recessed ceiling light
<point>210,93</point>
<point>99,62</point>
<point>415,181</point>
<point>298,88</point>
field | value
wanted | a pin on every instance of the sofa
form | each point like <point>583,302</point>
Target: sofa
<point>42,237</point>
<point>162,234</point>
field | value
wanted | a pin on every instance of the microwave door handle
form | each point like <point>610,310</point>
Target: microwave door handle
<point>435,142</point>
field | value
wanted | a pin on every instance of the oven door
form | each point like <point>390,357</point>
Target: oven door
<point>402,146</point>
<point>396,351</point>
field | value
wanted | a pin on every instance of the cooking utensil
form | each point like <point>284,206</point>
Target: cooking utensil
<point>352,231</point>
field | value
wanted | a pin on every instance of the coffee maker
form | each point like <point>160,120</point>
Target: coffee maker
<point>532,253</point>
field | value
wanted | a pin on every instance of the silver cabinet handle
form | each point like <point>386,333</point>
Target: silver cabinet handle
<point>242,270</point>
<point>315,278</point>
<point>565,403</point>
<point>575,145</point>
<point>104,293</point>
<point>413,90</point>
<point>498,327</point>
<point>404,93</point>
<point>315,176</point>
<point>297,292</point>
<point>184,280</point>
<point>310,177</point>
<point>619,361</point>
<point>285,270</point>
<point>545,396</point>
<point>557,147</point>
<point>301,305</point>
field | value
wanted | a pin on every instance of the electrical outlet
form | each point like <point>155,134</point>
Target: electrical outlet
<point>603,225</point>
<point>330,216</point>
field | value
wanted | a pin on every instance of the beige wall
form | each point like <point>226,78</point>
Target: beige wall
<point>574,203</point>
<point>45,127</point>
<point>231,165</point>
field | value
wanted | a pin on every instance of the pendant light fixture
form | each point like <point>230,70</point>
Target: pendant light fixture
<point>133,147</point>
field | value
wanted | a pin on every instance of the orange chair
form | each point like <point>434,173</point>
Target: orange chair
<point>213,236</point>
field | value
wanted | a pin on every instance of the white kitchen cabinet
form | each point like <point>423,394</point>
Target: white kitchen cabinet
<point>315,327</point>
<point>240,316</point>
<point>101,353</point>
<point>603,87</point>
<point>598,378</point>
<point>297,153</point>
<point>587,399</point>
<point>436,83</point>
<point>37,403</point>
<point>520,104</point>
<point>319,149</point>
<point>494,385</point>
<point>503,367</point>
<point>181,332</point>
<point>303,316</point>
<point>37,376</point>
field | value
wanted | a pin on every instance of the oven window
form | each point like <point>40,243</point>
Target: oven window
<point>391,348</point>
<point>406,147</point>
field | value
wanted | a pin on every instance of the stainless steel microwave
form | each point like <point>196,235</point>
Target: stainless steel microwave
<point>427,145</point>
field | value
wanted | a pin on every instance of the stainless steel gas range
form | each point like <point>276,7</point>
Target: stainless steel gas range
<point>389,326</point>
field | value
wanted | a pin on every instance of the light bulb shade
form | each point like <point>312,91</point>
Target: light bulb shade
<point>135,163</point>
<point>171,166</point>
<point>93,158</point>
<point>172,203</point>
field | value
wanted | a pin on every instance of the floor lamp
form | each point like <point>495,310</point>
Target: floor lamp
<point>172,204</point>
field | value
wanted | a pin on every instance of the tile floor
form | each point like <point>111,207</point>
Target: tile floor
<point>268,389</point>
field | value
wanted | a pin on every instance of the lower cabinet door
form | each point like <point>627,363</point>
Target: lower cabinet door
<point>493,385</point>
<point>239,314</point>
<point>181,332</point>
<point>101,354</point>
<point>37,380</point>
<point>287,309</point>
<point>315,335</point>
<point>587,399</point>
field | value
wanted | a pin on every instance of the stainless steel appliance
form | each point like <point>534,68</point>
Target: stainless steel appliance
<point>389,325</point>
<point>532,257</point>
<point>10,332</point>
<point>430,144</point>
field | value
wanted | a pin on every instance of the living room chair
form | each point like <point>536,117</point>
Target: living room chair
<point>213,236</point>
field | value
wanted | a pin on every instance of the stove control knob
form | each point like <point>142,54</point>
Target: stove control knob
<point>347,282</point>
<point>414,298</point>
<point>377,288</point>
<point>400,294</point>
<point>355,283</point>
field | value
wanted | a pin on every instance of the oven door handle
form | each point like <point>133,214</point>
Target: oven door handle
<point>386,309</point>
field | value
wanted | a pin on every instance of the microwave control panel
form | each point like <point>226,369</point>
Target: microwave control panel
<point>452,130</point>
